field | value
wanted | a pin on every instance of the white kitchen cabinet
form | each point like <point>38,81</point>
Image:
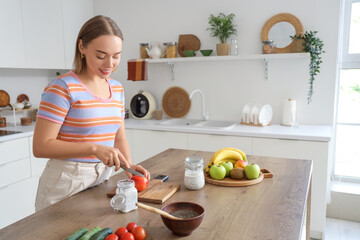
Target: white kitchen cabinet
<point>14,150</point>
<point>12,38</point>
<point>149,143</point>
<point>17,201</point>
<point>74,15</point>
<point>43,34</point>
<point>318,152</point>
<point>212,143</point>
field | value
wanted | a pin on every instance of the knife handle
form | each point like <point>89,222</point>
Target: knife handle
<point>162,177</point>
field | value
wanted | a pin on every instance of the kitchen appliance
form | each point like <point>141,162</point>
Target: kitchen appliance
<point>142,105</point>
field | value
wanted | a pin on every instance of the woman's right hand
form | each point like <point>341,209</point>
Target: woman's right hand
<point>110,156</point>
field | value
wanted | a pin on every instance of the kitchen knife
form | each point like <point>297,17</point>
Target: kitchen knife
<point>132,171</point>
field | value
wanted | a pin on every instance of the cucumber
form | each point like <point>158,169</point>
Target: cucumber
<point>102,234</point>
<point>78,234</point>
<point>90,233</point>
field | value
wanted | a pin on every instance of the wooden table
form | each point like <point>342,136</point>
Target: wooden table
<point>273,209</point>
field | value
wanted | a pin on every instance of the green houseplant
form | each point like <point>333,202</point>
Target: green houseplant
<point>222,27</point>
<point>314,46</point>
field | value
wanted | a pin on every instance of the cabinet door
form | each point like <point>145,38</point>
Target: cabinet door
<point>37,164</point>
<point>318,152</point>
<point>75,14</point>
<point>17,201</point>
<point>14,150</point>
<point>149,143</point>
<point>212,143</point>
<point>43,34</point>
<point>12,38</point>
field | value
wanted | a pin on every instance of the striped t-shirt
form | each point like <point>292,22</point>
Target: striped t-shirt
<point>84,117</point>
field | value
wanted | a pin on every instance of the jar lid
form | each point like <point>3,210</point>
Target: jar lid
<point>144,44</point>
<point>126,183</point>
<point>194,162</point>
<point>268,41</point>
<point>170,43</point>
<point>117,202</point>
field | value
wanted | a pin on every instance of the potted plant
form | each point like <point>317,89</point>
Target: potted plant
<point>313,45</point>
<point>222,27</point>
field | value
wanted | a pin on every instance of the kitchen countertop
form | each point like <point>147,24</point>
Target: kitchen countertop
<point>272,209</point>
<point>322,133</point>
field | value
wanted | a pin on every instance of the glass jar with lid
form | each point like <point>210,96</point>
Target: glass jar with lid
<point>143,52</point>
<point>170,49</point>
<point>268,46</point>
<point>126,196</point>
<point>194,175</point>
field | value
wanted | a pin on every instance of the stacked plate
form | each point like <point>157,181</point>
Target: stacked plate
<point>256,114</point>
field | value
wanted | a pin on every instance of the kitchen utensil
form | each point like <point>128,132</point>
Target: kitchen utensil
<point>18,105</point>
<point>157,191</point>
<point>188,42</point>
<point>22,97</point>
<point>156,210</point>
<point>265,115</point>
<point>206,52</point>
<point>4,99</point>
<point>176,102</point>
<point>183,227</point>
<point>155,50</point>
<point>189,53</point>
<point>132,171</point>
<point>142,105</point>
<point>26,121</point>
<point>230,182</point>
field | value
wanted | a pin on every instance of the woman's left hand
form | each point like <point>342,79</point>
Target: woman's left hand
<point>139,169</point>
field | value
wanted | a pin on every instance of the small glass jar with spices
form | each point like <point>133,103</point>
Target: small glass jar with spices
<point>194,176</point>
<point>268,47</point>
<point>143,52</point>
<point>170,49</point>
<point>126,196</point>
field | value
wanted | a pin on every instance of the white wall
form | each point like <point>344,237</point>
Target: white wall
<point>24,81</point>
<point>228,86</point>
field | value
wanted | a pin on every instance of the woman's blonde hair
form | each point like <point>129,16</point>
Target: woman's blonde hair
<point>93,28</point>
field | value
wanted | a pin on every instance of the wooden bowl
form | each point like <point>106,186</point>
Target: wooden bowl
<point>183,227</point>
<point>26,121</point>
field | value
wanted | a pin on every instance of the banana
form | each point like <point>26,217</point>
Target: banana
<point>226,154</point>
<point>239,151</point>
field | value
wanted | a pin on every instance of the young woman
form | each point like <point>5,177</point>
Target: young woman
<point>80,122</point>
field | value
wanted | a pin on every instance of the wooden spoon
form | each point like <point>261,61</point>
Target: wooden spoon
<point>158,211</point>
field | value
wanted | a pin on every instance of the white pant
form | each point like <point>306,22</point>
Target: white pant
<point>61,179</point>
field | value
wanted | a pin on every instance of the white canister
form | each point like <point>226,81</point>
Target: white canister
<point>289,112</point>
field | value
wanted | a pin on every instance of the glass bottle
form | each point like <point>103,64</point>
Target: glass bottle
<point>126,196</point>
<point>194,174</point>
<point>233,48</point>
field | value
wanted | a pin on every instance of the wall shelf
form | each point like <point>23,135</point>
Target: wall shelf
<point>263,57</point>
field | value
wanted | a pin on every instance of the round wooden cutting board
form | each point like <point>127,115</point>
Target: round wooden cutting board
<point>230,182</point>
<point>4,98</point>
<point>176,102</point>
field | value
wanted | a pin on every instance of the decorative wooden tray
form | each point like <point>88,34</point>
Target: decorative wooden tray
<point>176,102</point>
<point>230,182</point>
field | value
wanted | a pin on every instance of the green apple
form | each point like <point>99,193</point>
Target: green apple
<point>252,171</point>
<point>217,171</point>
<point>228,166</point>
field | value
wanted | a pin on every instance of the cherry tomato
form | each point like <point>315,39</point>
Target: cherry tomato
<point>112,237</point>
<point>139,233</point>
<point>131,226</point>
<point>120,231</point>
<point>127,236</point>
<point>140,182</point>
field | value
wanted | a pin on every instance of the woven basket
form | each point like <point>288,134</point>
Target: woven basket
<point>176,102</point>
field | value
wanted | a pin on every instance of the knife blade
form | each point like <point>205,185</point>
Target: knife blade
<point>132,171</point>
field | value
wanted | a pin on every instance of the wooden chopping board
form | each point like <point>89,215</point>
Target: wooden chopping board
<point>157,191</point>
<point>230,182</point>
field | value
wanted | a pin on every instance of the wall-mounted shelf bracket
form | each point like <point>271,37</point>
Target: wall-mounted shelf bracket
<point>172,68</point>
<point>266,62</point>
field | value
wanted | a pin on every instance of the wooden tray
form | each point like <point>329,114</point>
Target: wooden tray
<point>176,102</point>
<point>188,42</point>
<point>230,182</point>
